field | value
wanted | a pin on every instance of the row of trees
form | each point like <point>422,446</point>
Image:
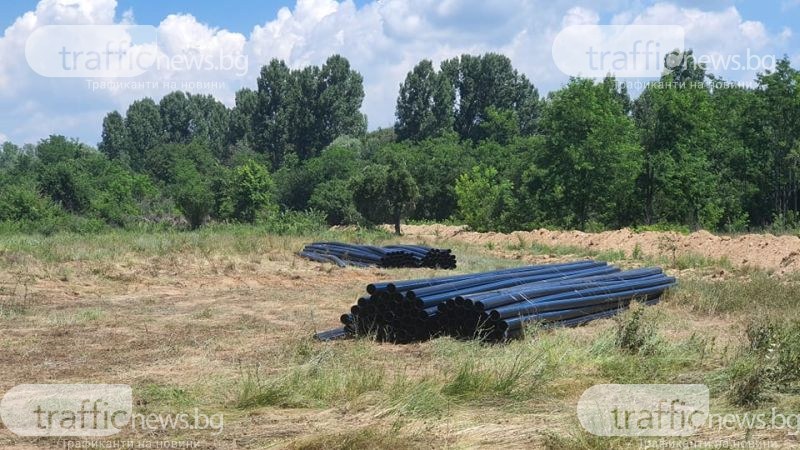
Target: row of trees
<point>473,141</point>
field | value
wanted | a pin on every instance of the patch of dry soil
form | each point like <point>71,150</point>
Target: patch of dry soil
<point>766,251</point>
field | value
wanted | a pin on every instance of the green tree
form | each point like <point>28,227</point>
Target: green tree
<point>341,92</point>
<point>590,157</point>
<point>424,104</point>
<point>56,149</point>
<point>177,117</point>
<point>778,119</point>
<point>192,193</point>
<point>334,198</point>
<point>678,183</point>
<point>273,113</point>
<point>242,116</point>
<point>435,165</point>
<point>485,199</point>
<point>383,193</point>
<point>145,130</point>
<point>210,122</point>
<point>489,81</point>
<point>297,180</point>
<point>250,193</point>
<point>115,143</point>
<point>303,111</point>
<point>682,68</point>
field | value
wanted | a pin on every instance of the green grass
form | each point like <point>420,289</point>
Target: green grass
<point>757,295</point>
<point>158,397</point>
<point>17,248</point>
<point>429,383</point>
<point>82,316</point>
<point>674,261</point>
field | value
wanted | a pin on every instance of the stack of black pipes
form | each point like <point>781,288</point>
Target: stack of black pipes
<point>441,258</point>
<point>391,256</point>
<point>496,305</point>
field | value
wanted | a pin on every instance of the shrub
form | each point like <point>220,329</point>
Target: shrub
<point>250,193</point>
<point>635,331</point>
<point>66,185</point>
<point>193,194</point>
<point>335,199</point>
<point>485,199</point>
<point>21,203</point>
<point>770,363</point>
<point>296,223</point>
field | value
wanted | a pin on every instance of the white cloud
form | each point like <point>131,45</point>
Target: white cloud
<point>382,39</point>
<point>3,138</point>
<point>722,36</point>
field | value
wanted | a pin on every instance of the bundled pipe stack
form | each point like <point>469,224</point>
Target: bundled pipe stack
<point>441,258</point>
<point>391,256</point>
<point>496,305</point>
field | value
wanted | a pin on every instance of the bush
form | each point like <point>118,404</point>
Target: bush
<point>296,223</point>
<point>662,227</point>
<point>636,332</point>
<point>770,363</point>
<point>66,185</point>
<point>485,200</point>
<point>193,194</point>
<point>119,194</point>
<point>335,199</point>
<point>21,203</point>
<point>249,193</point>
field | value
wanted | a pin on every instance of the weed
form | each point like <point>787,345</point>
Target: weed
<point>205,313</point>
<point>636,333</point>
<point>768,364</point>
<point>637,252</point>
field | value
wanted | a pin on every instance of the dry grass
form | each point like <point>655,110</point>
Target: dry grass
<point>220,320</point>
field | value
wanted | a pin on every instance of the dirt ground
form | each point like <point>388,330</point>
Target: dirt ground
<point>185,327</point>
<point>780,254</point>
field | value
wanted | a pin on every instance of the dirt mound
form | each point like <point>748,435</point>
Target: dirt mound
<point>766,251</point>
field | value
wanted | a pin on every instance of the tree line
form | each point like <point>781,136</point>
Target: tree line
<point>473,142</point>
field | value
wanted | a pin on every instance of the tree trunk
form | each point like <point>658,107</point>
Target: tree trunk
<point>397,222</point>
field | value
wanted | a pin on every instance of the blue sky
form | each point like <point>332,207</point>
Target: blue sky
<point>383,39</point>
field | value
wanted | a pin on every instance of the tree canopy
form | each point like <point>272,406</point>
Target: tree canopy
<point>473,141</point>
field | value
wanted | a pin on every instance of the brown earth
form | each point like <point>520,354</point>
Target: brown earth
<point>779,254</point>
<point>189,323</point>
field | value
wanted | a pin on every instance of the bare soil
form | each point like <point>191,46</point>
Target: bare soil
<point>194,322</point>
<point>780,254</point>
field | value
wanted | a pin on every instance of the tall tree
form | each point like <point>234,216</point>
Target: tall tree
<point>489,81</point>
<point>176,115</point>
<point>341,92</point>
<point>424,105</point>
<point>273,115</point>
<point>682,67</point>
<point>242,116</point>
<point>678,183</point>
<point>303,111</point>
<point>589,159</point>
<point>210,121</point>
<point>115,143</point>
<point>778,112</point>
<point>145,130</point>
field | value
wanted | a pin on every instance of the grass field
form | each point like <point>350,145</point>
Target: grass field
<point>220,321</point>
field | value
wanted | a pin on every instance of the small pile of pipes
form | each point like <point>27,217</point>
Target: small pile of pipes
<point>495,306</point>
<point>390,256</point>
